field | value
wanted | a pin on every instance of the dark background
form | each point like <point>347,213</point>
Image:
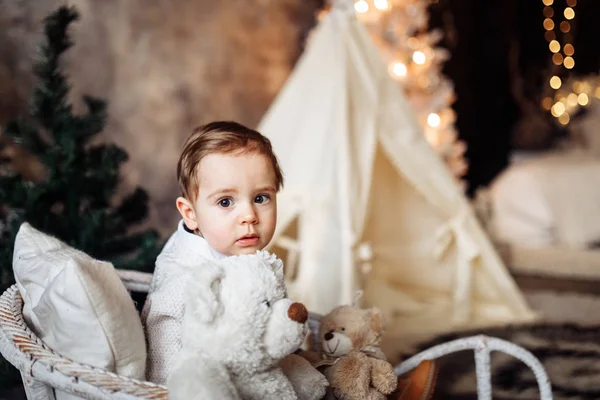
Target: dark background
<point>479,35</point>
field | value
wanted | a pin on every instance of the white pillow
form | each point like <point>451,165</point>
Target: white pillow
<point>78,305</point>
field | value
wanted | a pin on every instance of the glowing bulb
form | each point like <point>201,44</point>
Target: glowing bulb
<point>565,27</point>
<point>548,2</point>
<point>586,87</point>
<point>569,62</point>
<point>557,58</point>
<point>569,13</point>
<point>549,35</point>
<point>361,6</point>
<point>554,46</point>
<point>597,94</point>
<point>558,109</point>
<point>399,69</point>
<point>548,24</point>
<point>572,99</point>
<point>412,42</point>
<point>381,4</point>
<point>569,49</point>
<point>548,12</point>
<point>564,119</point>
<point>571,3</point>
<point>583,99</point>
<point>555,82</point>
<point>419,57</point>
<point>433,120</point>
<point>547,103</point>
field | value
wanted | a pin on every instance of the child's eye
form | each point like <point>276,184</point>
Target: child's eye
<point>261,199</point>
<point>226,203</point>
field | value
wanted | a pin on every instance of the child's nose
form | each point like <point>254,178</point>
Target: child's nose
<point>248,216</point>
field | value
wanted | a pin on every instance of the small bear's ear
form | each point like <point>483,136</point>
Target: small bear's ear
<point>275,263</point>
<point>377,320</point>
<point>357,295</point>
<point>202,291</point>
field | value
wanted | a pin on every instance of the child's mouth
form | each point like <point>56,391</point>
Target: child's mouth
<point>249,240</point>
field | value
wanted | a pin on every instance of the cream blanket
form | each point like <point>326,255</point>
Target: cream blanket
<point>551,200</point>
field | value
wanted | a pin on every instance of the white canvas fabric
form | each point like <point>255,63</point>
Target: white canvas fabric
<point>365,191</point>
<point>78,305</point>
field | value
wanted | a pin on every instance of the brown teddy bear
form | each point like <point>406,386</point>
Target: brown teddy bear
<point>349,354</point>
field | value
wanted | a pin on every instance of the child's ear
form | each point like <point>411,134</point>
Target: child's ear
<point>186,209</point>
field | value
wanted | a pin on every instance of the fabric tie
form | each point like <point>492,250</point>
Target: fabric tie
<point>455,230</point>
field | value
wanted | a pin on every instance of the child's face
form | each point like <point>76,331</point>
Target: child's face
<point>236,207</point>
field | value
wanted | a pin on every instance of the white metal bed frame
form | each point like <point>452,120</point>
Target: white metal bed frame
<point>43,370</point>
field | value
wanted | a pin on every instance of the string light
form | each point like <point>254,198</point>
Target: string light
<point>564,119</point>
<point>583,99</point>
<point>573,94</point>
<point>361,6</point>
<point>569,49</point>
<point>400,29</point>
<point>381,5</point>
<point>547,103</point>
<point>399,69</point>
<point>419,57</point>
<point>548,24</point>
<point>433,120</point>
<point>569,13</point>
<point>555,82</point>
<point>557,59</point>
<point>558,109</point>
<point>569,62</point>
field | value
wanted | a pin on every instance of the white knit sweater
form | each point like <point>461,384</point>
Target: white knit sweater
<point>163,311</point>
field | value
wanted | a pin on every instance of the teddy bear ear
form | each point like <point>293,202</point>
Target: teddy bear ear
<point>202,291</point>
<point>356,300</point>
<point>275,263</point>
<point>377,320</point>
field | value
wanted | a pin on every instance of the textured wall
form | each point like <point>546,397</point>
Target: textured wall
<point>164,67</point>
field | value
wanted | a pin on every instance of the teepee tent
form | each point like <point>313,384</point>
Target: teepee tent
<point>368,204</point>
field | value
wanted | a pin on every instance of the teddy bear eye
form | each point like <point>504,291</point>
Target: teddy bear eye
<point>267,303</point>
<point>343,329</point>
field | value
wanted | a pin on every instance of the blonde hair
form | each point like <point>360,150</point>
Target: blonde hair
<point>222,137</point>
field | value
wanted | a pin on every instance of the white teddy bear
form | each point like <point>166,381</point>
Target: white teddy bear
<point>238,326</point>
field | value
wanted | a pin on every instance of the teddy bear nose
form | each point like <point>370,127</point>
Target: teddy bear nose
<point>328,336</point>
<point>297,312</point>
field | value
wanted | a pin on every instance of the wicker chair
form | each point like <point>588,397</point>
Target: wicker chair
<point>43,370</point>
